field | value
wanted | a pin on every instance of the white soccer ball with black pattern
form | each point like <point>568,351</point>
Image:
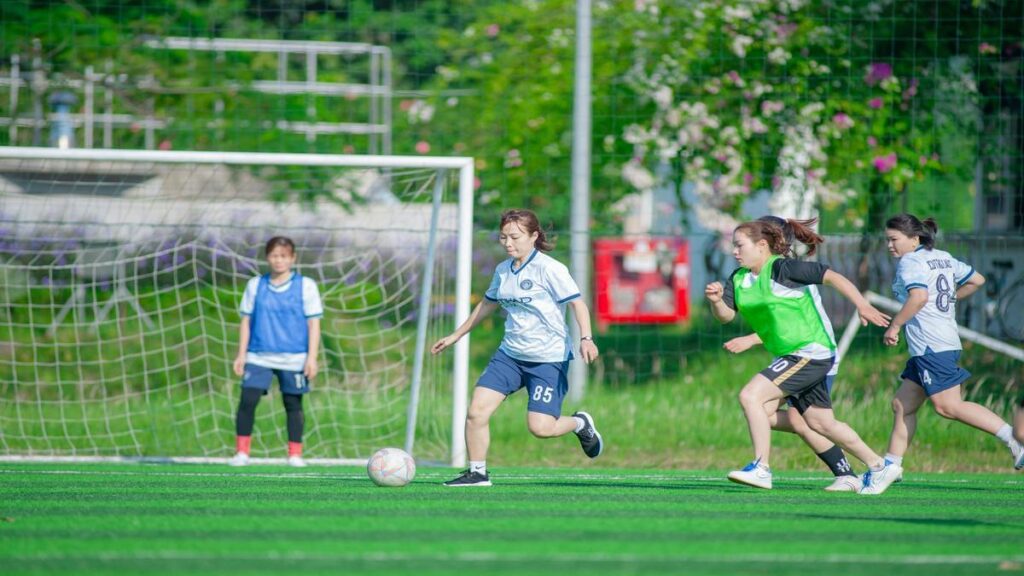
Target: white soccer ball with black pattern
<point>391,467</point>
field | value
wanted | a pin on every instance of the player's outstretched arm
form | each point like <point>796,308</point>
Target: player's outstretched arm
<point>582,313</point>
<point>713,292</point>
<point>482,310</point>
<point>868,313</point>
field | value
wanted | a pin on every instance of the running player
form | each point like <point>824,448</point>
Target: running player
<point>534,290</point>
<point>928,283</point>
<point>770,292</point>
<point>790,420</point>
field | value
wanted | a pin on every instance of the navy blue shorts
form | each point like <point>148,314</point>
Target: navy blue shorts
<point>935,371</point>
<point>259,377</point>
<point>546,382</point>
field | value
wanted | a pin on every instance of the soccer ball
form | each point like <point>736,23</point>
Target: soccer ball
<point>391,467</point>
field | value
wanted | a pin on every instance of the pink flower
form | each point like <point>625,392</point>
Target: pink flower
<point>784,30</point>
<point>986,48</point>
<point>877,72</point>
<point>348,149</point>
<point>922,160</point>
<point>872,141</point>
<point>842,120</point>
<point>476,183</point>
<point>884,163</point>
<point>165,145</point>
<point>492,30</point>
<point>875,103</point>
<point>423,147</point>
<point>911,90</point>
<point>404,105</point>
<point>734,77</point>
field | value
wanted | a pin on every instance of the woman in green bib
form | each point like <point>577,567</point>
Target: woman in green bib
<point>772,294</point>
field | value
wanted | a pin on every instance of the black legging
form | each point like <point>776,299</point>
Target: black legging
<point>247,413</point>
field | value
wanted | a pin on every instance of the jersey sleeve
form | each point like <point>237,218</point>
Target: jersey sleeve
<point>312,305</point>
<point>492,290</point>
<point>962,272</point>
<point>792,273</point>
<point>248,303</point>
<point>561,285</point>
<point>729,290</point>
<point>913,272</point>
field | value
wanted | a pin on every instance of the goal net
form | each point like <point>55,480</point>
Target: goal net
<point>121,274</point>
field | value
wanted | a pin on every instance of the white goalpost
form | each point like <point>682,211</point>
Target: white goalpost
<point>120,278</point>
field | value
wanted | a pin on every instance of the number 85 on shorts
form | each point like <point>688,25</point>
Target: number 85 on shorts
<point>546,382</point>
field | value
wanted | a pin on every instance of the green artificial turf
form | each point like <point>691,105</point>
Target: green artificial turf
<point>207,519</point>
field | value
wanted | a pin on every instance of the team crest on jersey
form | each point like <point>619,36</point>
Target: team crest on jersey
<point>526,284</point>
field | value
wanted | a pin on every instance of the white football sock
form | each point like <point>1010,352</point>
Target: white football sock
<point>898,460</point>
<point>1006,434</point>
<point>580,423</point>
<point>478,467</point>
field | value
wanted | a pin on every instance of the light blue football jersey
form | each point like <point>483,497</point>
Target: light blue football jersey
<point>934,327</point>
<point>534,296</point>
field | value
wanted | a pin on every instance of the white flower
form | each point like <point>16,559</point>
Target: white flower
<point>637,176</point>
<point>636,134</point>
<point>420,111</point>
<point>662,96</point>
<point>740,44</point>
<point>673,118</point>
<point>736,14</point>
<point>778,56</point>
<point>609,143</point>
<point>489,196</point>
<point>812,110</point>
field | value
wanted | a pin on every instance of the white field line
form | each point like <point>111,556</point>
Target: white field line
<point>1014,480</point>
<point>487,557</point>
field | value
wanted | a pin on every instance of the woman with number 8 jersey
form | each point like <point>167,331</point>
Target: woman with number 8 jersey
<point>534,290</point>
<point>928,283</point>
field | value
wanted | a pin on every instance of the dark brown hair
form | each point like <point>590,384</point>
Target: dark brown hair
<point>279,241</point>
<point>780,239</point>
<point>925,230</point>
<point>527,220</point>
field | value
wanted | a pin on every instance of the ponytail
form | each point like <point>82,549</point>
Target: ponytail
<point>803,232</point>
<point>908,224</point>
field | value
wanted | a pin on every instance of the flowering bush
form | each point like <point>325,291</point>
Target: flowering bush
<point>750,95</point>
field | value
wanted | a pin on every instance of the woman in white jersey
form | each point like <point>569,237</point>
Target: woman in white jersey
<point>279,336</point>
<point>790,420</point>
<point>771,292</point>
<point>534,290</point>
<point>928,283</point>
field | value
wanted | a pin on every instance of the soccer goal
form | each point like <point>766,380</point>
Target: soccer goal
<point>121,274</point>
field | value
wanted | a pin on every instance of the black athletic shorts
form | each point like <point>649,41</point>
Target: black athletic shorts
<point>803,380</point>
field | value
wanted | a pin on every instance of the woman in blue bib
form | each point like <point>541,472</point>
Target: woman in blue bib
<point>279,336</point>
<point>534,289</point>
